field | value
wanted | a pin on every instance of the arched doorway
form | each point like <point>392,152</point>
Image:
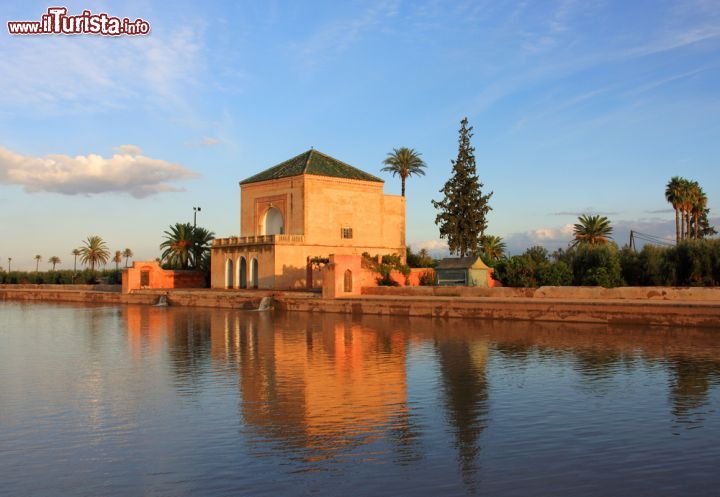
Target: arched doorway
<point>254,273</point>
<point>242,278</point>
<point>347,283</point>
<point>229,273</point>
<point>273,223</point>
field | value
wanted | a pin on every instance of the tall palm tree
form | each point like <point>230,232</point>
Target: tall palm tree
<point>95,252</point>
<point>54,260</point>
<point>673,194</point>
<point>127,253</point>
<point>9,263</point>
<point>493,247</point>
<point>75,253</point>
<point>117,259</point>
<point>699,205</point>
<point>592,230</point>
<point>688,195</point>
<point>178,245</point>
<point>37,262</point>
<point>404,162</point>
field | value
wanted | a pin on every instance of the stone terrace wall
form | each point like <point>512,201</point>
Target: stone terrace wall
<point>554,292</point>
<point>89,288</point>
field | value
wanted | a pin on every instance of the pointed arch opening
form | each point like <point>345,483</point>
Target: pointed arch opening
<point>273,224</point>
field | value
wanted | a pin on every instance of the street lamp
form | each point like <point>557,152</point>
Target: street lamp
<point>195,211</point>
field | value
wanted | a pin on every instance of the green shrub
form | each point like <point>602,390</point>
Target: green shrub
<point>695,263</point>
<point>428,278</point>
<point>554,274</point>
<point>597,265</point>
<point>386,280</point>
<point>61,277</point>
<point>517,271</point>
<point>631,266</point>
<point>537,254</point>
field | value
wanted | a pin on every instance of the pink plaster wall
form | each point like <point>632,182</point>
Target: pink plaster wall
<point>160,278</point>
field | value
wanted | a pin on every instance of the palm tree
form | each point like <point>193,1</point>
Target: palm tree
<point>127,253</point>
<point>37,262</point>
<point>95,252</point>
<point>592,230</point>
<point>54,260</point>
<point>699,205</point>
<point>9,262</point>
<point>178,245</point>
<point>688,197</point>
<point>493,247</point>
<point>673,194</point>
<point>202,240</point>
<point>404,162</point>
<point>117,259</point>
<point>75,253</point>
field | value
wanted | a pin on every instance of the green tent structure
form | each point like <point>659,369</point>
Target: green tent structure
<point>462,271</point>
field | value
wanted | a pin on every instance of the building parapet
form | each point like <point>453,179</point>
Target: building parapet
<point>237,241</point>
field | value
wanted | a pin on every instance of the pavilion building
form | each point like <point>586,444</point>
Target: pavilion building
<point>308,207</point>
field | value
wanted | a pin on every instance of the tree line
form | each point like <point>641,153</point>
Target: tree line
<point>185,246</point>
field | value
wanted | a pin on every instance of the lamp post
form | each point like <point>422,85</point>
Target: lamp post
<point>195,211</point>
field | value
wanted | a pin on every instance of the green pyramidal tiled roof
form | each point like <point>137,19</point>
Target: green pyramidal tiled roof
<point>312,162</point>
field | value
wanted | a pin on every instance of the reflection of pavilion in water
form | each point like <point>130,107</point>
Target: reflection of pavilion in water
<point>322,387</point>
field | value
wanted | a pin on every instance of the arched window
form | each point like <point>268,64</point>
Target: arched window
<point>254,273</point>
<point>273,224</point>
<point>229,274</point>
<point>347,287</point>
<point>242,278</point>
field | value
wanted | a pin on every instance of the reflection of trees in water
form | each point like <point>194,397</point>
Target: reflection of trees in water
<point>690,383</point>
<point>462,365</point>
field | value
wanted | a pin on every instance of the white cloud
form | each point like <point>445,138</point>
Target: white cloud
<point>87,73</point>
<point>128,149</point>
<point>436,248</point>
<point>125,172</point>
<point>209,142</point>
<point>550,238</point>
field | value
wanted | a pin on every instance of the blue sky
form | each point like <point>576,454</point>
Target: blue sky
<point>578,107</point>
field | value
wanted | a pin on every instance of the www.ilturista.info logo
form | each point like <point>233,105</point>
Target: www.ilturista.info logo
<point>56,21</point>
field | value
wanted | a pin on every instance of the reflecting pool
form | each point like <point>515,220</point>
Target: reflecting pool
<point>139,400</point>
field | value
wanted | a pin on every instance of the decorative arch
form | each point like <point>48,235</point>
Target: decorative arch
<point>347,281</point>
<point>273,222</point>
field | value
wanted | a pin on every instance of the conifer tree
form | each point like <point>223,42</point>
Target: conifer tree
<point>462,217</point>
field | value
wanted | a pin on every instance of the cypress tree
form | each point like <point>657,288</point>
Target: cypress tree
<point>462,217</point>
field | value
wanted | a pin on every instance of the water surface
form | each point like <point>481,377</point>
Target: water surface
<point>138,400</point>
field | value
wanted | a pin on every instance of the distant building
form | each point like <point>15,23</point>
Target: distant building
<point>463,271</point>
<point>306,207</point>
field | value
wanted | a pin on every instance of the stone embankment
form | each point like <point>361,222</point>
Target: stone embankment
<point>647,306</point>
